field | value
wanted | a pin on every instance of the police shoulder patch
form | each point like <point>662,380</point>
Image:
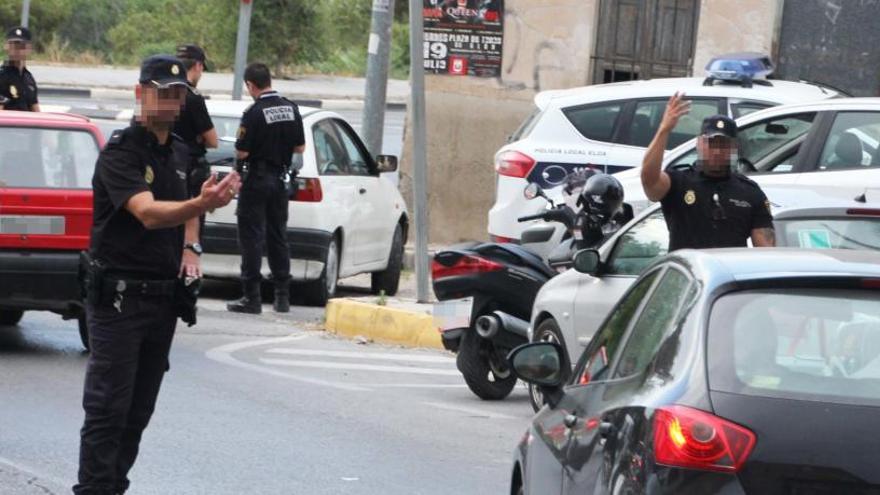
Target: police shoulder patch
<point>117,137</point>
<point>242,130</point>
<point>149,176</point>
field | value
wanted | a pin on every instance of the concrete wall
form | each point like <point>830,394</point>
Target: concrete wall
<point>547,45</point>
<point>736,26</point>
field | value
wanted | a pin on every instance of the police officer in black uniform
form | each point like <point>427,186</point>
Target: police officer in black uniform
<point>271,132</point>
<point>18,89</point>
<point>194,125</point>
<point>710,205</point>
<point>139,267</point>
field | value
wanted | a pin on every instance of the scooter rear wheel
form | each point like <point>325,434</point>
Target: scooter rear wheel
<point>484,367</point>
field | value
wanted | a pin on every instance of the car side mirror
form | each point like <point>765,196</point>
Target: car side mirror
<point>387,163</point>
<point>777,129</point>
<point>539,363</point>
<point>587,261</point>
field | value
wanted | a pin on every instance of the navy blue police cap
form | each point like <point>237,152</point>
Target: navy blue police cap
<point>19,33</point>
<point>163,71</point>
<point>719,125</point>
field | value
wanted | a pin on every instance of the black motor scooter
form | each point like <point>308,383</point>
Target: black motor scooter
<point>502,281</point>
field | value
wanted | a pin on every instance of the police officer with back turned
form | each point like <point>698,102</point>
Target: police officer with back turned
<point>271,132</point>
<point>139,273</point>
<point>710,205</point>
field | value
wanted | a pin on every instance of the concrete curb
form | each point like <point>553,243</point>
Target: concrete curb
<point>382,324</point>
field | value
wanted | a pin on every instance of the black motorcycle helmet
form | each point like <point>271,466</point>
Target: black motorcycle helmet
<point>601,196</point>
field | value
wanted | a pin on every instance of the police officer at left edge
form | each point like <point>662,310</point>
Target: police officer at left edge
<point>18,89</point>
<point>139,269</point>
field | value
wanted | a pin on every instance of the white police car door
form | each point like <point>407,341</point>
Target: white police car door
<point>850,156</point>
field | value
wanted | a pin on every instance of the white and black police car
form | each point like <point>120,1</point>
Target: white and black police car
<point>608,127</point>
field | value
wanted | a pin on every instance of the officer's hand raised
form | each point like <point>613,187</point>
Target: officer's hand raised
<point>675,108</point>
<point>218,194</point>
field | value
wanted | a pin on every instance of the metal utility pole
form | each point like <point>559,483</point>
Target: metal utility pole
<point>377,74</point>
<point>420,165</point>
<point>25,12</point>
<point>241,46</point>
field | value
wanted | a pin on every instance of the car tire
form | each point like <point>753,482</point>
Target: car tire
<point>318,292</point>
<point>547,331</point>
<point>486,380</point>
<point>10,317</point>
<point>388,280</point>
<point>83,327</point>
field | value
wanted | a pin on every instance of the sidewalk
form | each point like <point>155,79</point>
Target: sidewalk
<point>106,82</point>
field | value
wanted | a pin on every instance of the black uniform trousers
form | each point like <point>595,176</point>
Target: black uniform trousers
<point>262,226</point>
<point>128,359</point>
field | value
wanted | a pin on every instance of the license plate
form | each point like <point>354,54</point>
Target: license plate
<point>31,225</point>
<point>449,315</point>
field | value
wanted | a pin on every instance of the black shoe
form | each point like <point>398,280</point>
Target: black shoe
<point>281,304</point>
<point>245,305</point>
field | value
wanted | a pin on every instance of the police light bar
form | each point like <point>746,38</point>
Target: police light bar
<point>741,68</point>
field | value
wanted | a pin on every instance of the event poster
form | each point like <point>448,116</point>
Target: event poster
<point>464,37</point>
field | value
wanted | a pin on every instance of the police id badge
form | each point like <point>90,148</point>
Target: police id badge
<point>279,114</point>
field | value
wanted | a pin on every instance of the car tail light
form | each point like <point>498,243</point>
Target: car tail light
<point>514,164</point>
<point>871,283</point>
<point>694,439</point>
<point>309,190</point>
<point>501,239</point>
<point>867,212</point>
<point>465,265</point>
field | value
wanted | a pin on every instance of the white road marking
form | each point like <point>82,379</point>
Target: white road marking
<point>34,473</point>
<point>414,358</point>
<point>223,354</point>
<point>359,367</point>
<point>469,411</point>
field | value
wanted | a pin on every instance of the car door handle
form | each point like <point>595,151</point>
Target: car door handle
<point>570,421</point>
<point>362,191</point>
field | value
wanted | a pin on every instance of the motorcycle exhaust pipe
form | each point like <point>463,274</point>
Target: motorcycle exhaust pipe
<point>488,326</point>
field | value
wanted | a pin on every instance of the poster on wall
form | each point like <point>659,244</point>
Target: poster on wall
<point>463,37</point>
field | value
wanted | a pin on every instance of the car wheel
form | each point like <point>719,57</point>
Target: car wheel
<point>388,280</point>
<point>548,331</point>
<point>10,317</point>
<point>484,367</point>
<point>83,330</point>
<point>318,292</point>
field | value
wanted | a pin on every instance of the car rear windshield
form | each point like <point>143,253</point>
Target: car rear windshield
<point>839,233</point>
<point>804,344</point>
<point>47,158</point>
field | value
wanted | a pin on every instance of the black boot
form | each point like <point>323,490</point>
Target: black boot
<point>250,303</point>
<point>282,297</point>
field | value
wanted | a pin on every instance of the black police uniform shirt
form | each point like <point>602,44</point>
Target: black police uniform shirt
<point>134,162</point>
<point>704,212</point>
<point>19,88</point>
<point>193,122</point>
<point>270,129</point>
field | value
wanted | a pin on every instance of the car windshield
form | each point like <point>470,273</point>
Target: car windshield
<point>803,344</point>
<point>830,233</point>
<point>33,157</point>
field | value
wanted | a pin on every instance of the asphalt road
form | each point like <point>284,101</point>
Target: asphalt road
<point>265,404</point>
<point>392,143</point>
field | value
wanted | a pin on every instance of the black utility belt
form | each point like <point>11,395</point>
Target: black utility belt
<point>129,287</point>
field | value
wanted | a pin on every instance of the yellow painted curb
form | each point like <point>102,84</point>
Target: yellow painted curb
<point>382,324</point>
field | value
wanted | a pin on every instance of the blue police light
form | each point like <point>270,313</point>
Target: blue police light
<point>741,68</point>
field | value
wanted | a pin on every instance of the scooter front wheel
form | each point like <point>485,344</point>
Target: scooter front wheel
<point>484,367</point>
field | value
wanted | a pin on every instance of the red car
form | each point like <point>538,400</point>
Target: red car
<point>46,166</point>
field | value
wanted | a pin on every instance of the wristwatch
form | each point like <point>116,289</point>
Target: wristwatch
<point>194,247</point>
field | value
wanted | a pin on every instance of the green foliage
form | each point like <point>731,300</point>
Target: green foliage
<point>329,36</point>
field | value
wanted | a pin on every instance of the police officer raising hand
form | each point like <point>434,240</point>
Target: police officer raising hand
<point>710,205</point>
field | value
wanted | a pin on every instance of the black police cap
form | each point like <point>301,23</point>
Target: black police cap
<point>192,52</point>
<point>163,71</point>
<point>719,125</point>
<point>19,33</point>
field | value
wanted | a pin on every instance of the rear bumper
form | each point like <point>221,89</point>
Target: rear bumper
<point>307,247</point>
<point>40,280</point>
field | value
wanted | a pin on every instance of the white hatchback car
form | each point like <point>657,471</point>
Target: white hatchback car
<point>832,146</point>
<point>608,127</point>
<point>347,217</point>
